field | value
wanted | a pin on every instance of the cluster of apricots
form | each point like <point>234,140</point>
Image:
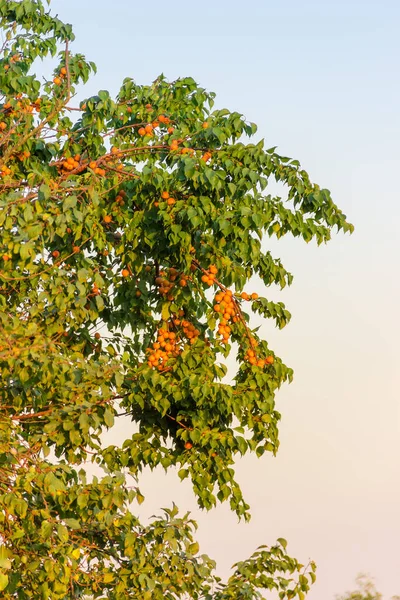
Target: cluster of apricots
<point>167,280</point>
<point>169,343</point>
<point>95,290</point>
<point>174,145</point>
<point>11,110</point>
<point>226,309</point>
<point>24,155</point>
<point>189,151</point>
<point>189,330</point>
<point>166,197</point>
<point>62,74</point>
<point>120,198</point>
<point>206,156</point>
<point>166,347</point>
<point>148,129</point>
<point>245,296</point>
<point>4,171</point>
<point>22,104</point>
<point>13,59</point>
<point>70,163</point>
<point>96,169</point>
<point>73,162</point>
<point>251,357</point>
<point>209,275</point>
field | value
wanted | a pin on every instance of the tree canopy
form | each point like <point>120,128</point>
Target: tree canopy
<point>366,590</point>
<point>130,230</point>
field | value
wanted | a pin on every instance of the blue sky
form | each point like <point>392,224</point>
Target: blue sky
<point>321,79</point>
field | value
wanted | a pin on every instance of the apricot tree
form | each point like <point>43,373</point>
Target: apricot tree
<point>130,229</point>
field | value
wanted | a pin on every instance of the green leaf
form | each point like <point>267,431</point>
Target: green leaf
<point>72,523</point>
<point>62,533</point>
<point>282,542</point>
<point>3,581</point>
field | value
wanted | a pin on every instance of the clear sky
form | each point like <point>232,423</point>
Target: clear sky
<point>321,79</point>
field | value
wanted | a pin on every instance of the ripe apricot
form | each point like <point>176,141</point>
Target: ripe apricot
<point>107,219</point>
<point>170,130</point>
<point>142,131</point>
<point>6,257</point>
<point>171,201</point>
<point>149,128</point>
<point>165,195</point>
<point>3,126</point>
<point>56,81</point>
<point>125,273</point>
<point>55,253</point>
<point>63,71</point>
<point>205,125</point>
<point>183,282</point>
<point>254,296</point>
<point>188,445</point>
<point>76,249</point>
<point>269,360</point>
<point>97,336</point>
<point>93,164</point>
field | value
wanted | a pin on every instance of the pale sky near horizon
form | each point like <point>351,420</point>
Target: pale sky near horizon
<point>321,80</point>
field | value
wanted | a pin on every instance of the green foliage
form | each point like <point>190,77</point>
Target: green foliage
<point>366,590</point>
<point>140,218</point>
